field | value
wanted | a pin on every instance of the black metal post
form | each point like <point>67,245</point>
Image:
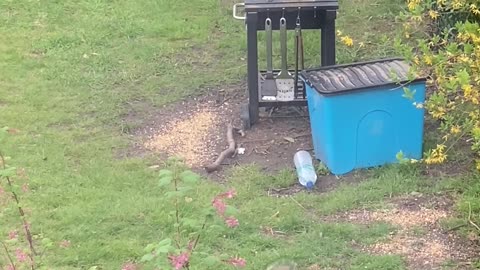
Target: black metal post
<point>252,58</point>
<point>328,38</point>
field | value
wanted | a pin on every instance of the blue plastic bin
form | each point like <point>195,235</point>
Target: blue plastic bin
<point>360,116</point>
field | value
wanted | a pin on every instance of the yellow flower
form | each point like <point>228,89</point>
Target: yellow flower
<point>478,165</point>
<point>467,90</point>
<point>463,58</point>
<point>455,129</point>
<point>439,113</point>
<point>457,4</point>
<point>437,155</point>
<point>413,4</point>
<point>428,60</point>
<point>474,9</point>
<point>347,41</point>
<point>433,14</point>
<point>416,60</point>
<point>339,33</point>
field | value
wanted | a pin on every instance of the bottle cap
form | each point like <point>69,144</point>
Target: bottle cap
<point>309,185</point>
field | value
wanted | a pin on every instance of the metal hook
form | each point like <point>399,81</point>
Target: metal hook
<point>315,12</point>
<point>298,16</point>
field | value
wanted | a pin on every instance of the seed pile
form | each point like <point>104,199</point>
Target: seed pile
<point>420,239</point>
<point>186,138</point>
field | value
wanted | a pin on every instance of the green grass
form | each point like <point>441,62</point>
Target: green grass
<point>69,73</point>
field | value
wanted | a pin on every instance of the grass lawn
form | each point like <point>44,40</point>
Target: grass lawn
<point>70,71</point>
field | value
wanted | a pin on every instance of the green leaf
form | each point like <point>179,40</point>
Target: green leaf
<point>463,77</point>
<point>399,156</point>
<point>47,243</point>
<point>165,242</point>
<point>163,249</point>
<point>147,257</point>
<point>189,177</point>
<point>407,93</point>
<point>165,172</point>
<point>149,248</point>
<point>166,180</point>
<point>8,172</point>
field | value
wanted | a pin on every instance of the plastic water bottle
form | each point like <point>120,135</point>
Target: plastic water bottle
<point>305,170</point>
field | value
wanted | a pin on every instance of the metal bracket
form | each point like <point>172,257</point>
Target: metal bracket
<point>235,6</point>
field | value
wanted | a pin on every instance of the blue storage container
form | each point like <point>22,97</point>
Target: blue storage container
<point>363,114</point>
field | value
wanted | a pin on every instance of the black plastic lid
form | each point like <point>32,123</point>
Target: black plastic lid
<point>360,76</point>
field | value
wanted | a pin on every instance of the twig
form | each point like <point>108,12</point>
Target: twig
<point>8,255</point>
<point>293,199</point>
<point>226,153</point>
<point>457,227</point>
<point>470,217</point>
<point>20,210</point>
<point>198,236</point>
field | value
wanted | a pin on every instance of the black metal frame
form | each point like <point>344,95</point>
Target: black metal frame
<point>320,17</point>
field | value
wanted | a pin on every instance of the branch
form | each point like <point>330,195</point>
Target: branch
<point>226,153</point>
<point>470,217</point>
<point>8,255</point>
<point>20,210</point>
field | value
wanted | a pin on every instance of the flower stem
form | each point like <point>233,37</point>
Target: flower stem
<point>177,214</point>
<point>20,209</point>
<point>8,255</point>
<point>198,236</point>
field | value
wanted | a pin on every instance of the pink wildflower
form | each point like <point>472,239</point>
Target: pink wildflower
<point>64,244</point>
<point>179,261</point>
<point>237,262</point>
<point>2,191</point>
<point>25,188</point>
<point>21,256</point>
<point>10,267</point>
<point>231,222</point>
<point>12,235</point>
<point>129,266</point>
<point>219,205</point>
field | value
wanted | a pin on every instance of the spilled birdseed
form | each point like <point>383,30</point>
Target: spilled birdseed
<point>187,138</point>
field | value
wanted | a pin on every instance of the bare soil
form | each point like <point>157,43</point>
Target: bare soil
<point>420,239</point>
<point>195,130</point>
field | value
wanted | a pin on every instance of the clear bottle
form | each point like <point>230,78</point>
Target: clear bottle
<point>305,170</point>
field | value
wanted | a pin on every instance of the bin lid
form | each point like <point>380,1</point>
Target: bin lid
<point>338,79</point>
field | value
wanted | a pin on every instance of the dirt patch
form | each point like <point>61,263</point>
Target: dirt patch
<point>195,129</point>
<point>420,239</point>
